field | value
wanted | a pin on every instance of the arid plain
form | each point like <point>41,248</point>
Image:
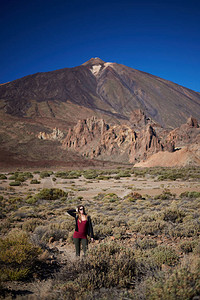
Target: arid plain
<point>146,226</point>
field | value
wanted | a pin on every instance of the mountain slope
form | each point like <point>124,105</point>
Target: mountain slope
<point>40,102</point>
<point>108,89</point>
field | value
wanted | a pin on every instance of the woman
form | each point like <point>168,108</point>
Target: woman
<point>82,229</point>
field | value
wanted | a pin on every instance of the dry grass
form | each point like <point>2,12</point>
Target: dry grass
<point>145,231</point>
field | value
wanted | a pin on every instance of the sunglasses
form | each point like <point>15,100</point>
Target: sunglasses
<point>80,208</point>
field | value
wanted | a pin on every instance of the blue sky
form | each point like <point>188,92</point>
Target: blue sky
<point>158,37</point>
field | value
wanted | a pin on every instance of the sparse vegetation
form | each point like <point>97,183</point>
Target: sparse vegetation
<point>147,246</point>
<point>34,181</point>
<point>17,256</point>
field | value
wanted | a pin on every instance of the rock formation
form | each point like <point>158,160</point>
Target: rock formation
<point>55,135</point>
<point>94,138</point>
<point>185,134</point>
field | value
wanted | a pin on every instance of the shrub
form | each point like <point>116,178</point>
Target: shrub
<point>17,256</point>
<point>166,194</point>
<point>99,197</point>
<point>149,227</point>
<point>15,183</point>
<point>145,244</point>
<point>192,195</point>
<point>107,265</point>
<point>57,231</point>
<point>182,284</point>
<point>187,229</point>
<point>31,200</point>
<point>164,255</point>
<point>111,197</point>
<point>2,176</point>
<point>124,173</point>
<point>90,174</point>
<point>103,177</point>
<point>44,174</point>
<point>50,194</point>
<point>68,174</point>
<point>20,176</point>
<point>30,225</point>
<point>173,215</point>
<point>73,175</point>
<point>56,234</point>
<point>102,231</point>
<point>35,181</point>
<point>132,197</point>
<point>187,246</point>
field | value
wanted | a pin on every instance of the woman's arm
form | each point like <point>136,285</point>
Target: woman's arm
<point>91,228</point>
<point>72,212</point>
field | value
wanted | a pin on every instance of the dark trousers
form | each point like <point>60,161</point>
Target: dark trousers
<point>78,242</point>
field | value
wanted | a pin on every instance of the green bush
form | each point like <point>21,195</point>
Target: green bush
<point>3,176</point>
<point>111,197</point>
<point>34,181</point>
<point>166,195</point>
<point>90,174</point>
<point>20,176</point>
<point>73,175</point>
<point>191,195</point>
<point>50,194</point>
<point>68,174</point>
<point>15,183</point>
<point>123,173</point>
<point>44,174</point>
<point>17,256</point>
<point>103,177</point>
<point>31,200</point>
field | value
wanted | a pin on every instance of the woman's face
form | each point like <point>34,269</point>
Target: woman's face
<point>81,210</point>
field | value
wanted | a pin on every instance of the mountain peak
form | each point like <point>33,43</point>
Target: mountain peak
<point>94,61</point>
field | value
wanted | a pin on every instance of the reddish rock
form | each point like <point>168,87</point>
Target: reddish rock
<point>94,138</point>
<point>192,122</point>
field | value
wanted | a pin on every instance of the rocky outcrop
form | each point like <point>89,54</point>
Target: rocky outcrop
<point>188,155</point>
<point>185,134</point>
<point>94,138</point>
<point>192,122</point>
<point>55,135</point>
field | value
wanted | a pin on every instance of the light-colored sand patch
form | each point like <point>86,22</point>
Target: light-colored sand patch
<point>178,158</point>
